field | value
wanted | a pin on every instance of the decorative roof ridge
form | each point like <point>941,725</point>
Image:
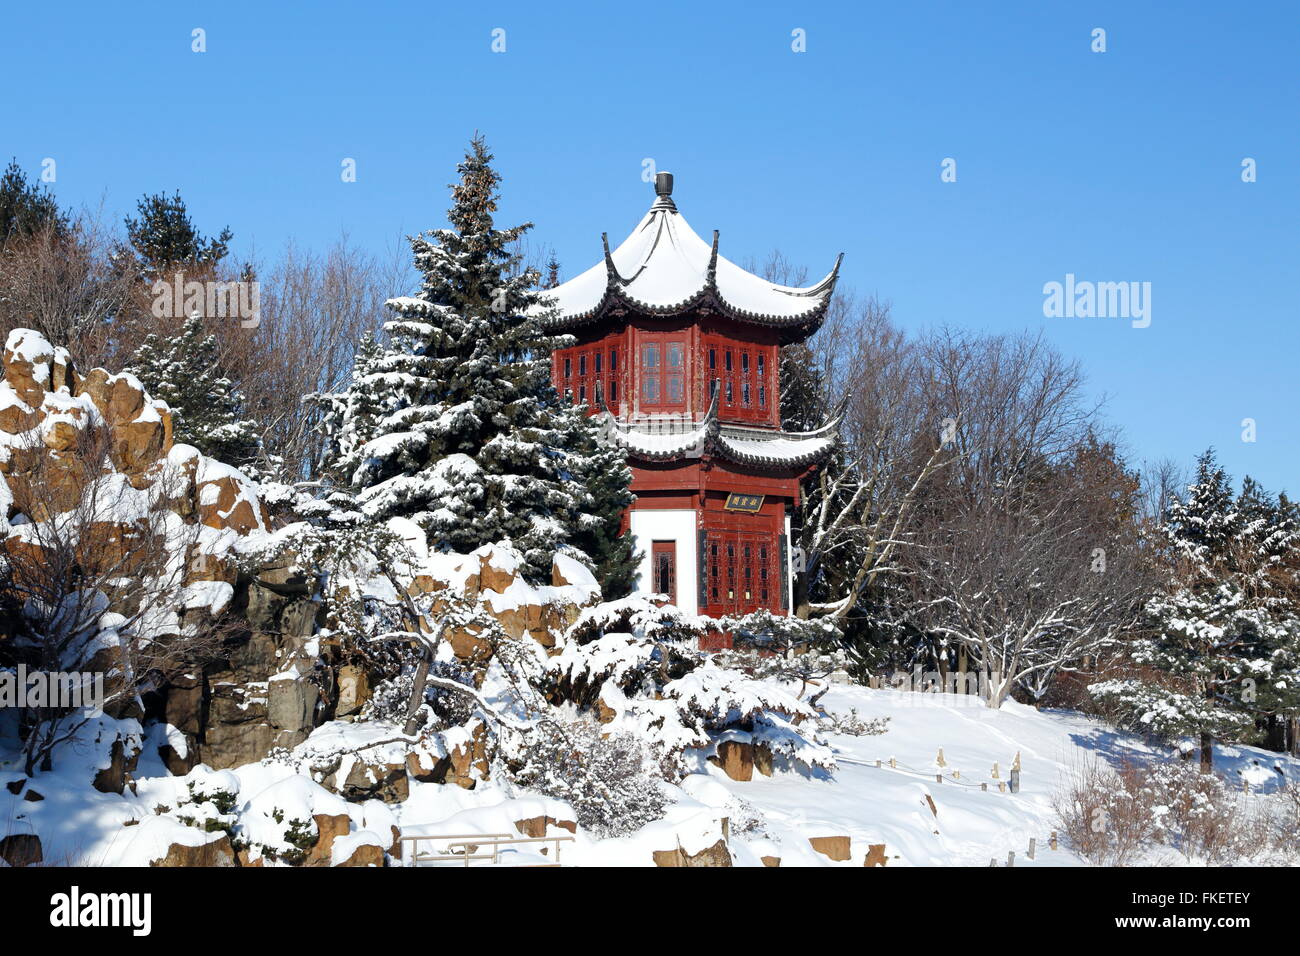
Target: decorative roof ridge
<point>711,276</point>
<point>614,280</point>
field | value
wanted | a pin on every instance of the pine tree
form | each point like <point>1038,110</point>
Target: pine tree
<point>455,425</point>
<point>164,235</point>
<point>206,408</point>
<point>26,207</point>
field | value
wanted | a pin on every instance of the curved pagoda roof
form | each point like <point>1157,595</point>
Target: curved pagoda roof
<point>664,268</point>
<point>666,440</point>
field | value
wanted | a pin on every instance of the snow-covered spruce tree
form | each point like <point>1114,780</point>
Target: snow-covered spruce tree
<point>348,419</point>
<point>206,407</point>
<point>455,425</point>
<point>599,469</point>
<point>1222,635</point>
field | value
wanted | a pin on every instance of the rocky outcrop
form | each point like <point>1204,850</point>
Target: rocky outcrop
<point>62,435</point>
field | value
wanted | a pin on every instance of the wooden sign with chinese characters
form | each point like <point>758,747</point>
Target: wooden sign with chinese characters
<point>746,503</point>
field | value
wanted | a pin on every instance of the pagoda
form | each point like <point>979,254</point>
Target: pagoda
<point>680,348</point>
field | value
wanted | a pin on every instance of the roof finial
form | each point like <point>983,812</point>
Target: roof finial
<point>663,184</point>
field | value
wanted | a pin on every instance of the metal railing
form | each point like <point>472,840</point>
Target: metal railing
<point>463,848</point>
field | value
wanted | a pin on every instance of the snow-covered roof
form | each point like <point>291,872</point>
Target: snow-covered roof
<point>664,268</point>
<point>665,439</point>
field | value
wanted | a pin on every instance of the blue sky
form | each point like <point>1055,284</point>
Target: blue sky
<point>1115,166</point>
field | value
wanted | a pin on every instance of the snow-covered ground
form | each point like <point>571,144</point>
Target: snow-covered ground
<point>768,816</point>
<point>969,826</point>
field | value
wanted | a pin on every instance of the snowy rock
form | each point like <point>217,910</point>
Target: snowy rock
<point>736,757</point>
<point>354,690</point>
<point>538,826</point>
<point>216,852</point>
<point>875,855</point>
<point>21,849</point>
<point>716,854</point>
<point>836,848</point>
<point>358,849</point>
<point>290,703</point>
<point>27,359</point>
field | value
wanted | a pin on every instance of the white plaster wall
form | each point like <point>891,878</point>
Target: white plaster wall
<point>653,525</point>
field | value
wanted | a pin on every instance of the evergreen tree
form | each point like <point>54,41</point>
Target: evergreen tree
<point>206,408</point>
<point>804,404</point>
<point>348,419</point>
<point>598,470</point>
<point>164,235</point>
<point>454,423</point>
<point>1222,632</point>
<point>26,207</point>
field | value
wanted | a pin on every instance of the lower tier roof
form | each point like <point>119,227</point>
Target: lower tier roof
<point>672,439</point>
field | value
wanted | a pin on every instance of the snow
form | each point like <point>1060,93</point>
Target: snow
<point>575,572</point>
<point>767,816</point>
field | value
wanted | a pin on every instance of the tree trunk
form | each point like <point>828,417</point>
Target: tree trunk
<point>998,694</point>
<point>1207,751</point>
<point>802,606</point>
<point>416,700</point>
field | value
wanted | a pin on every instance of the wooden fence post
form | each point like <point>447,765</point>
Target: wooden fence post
<point>1015,780</point>
<point>1032,843</point>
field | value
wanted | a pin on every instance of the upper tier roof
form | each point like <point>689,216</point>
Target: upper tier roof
<point>664,268</point>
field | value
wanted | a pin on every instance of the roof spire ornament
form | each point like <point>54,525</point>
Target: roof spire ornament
<point>664,192</point>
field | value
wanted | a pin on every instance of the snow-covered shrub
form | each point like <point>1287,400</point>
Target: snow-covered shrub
<point>775,647</point>
<point>1099,818</point>
<point>642,618</point>
<point>690,712</point>
<point>851,724</point>
<point>1114,817</point>
<point>606,779</point>
<point>210,804</point>
<point>628,644</point>
<point>638,665</point>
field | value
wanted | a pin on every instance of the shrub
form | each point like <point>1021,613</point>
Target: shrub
<point>1114,817</point>
<point>604,779</point>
